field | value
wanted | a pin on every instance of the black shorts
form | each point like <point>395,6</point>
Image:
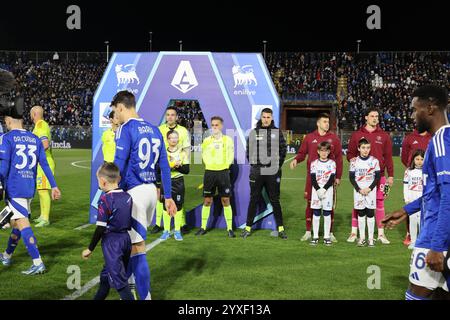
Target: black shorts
<point>217,180</point>
<point>177,192</point>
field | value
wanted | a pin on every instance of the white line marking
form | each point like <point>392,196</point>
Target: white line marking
<point>289,159</point>
<point>75,164</point>
<point>84,226</point>
<point>93,282</point>
<point>88,286</point>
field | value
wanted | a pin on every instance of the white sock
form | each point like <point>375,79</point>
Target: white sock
<point>316,225</point>
<point>326,226</point>
<point>380,232</point>
<point>413,226</point>
<point>354,230</point>
<point>362,227</point>
<point>37,261</point>
<point>370,227</point>
<point>7,256</point>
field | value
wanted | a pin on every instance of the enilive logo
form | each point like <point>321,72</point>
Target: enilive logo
<point>126,74</point>
<point>184,79</point>
<point>244,76</point>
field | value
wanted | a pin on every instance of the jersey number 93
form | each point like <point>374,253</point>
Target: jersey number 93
<point>145,152</point>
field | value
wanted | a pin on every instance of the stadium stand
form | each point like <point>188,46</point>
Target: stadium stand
<point>382,79</point>
<point>357,81</point>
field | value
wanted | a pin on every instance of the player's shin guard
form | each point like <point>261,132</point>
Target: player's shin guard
<point>228,213</point>
<point>354,220</point>
<point>308,215</point>
<point>370,227</point>
<point>31,244</point>
<point>362,224</point>
<point>205,216</point>
<point>179,220</point>
<point>166,219</point>
<point>159,212</point>
<point>13,241</point>
<point>183,217</point>
<point>103,288</point>
<point>327,223</point>
<point>316,223</point>
<point>414,221</point>
<point>141,273</point>
<point>45,203</point>
<point>379,214</point>
<point>331,220</point>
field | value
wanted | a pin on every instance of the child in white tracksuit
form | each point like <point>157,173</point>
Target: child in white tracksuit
<point>412,189</point>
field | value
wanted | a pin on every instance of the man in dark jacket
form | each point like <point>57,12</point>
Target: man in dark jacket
<point>266,151</point>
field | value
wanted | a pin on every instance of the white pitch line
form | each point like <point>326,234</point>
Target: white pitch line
<point>88,286</point>
<point>84,226</point>
<point>75,164</point>
<point>93,282</point>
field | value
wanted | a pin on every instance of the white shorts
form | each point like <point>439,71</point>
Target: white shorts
<point>362,202</point>
<point>326,203</point>
<point>421,275</point>
<point>21,207</point>
<point>144,203</point>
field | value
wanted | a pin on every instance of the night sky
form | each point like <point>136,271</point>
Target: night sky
<point>227,26</point>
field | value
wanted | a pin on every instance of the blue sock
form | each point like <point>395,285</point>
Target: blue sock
<point>141,273</point>
<point>13,241</point>
<point>30,243</point>
<point>129,269</point>
<point>411,296</point>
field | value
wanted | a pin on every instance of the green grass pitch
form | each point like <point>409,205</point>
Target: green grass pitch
<point>214,266</point>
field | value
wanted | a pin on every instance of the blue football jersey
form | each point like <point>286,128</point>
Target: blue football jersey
<point>435,216</point>
<point>139,150</point>
<point>20,153</point>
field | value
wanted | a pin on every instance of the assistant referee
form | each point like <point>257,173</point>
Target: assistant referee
<point>265,171</point>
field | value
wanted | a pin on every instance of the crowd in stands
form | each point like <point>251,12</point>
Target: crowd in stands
<point>189,112</point>
<point>65,87</point>
<point>298,74</point>
<point>384,80</point>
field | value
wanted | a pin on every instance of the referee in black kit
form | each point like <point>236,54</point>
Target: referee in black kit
<point>266,151</point>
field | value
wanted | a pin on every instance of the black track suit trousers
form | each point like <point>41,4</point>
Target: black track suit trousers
<point>272,185</point>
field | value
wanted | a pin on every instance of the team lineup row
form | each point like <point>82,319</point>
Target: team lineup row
<point>138,161</point>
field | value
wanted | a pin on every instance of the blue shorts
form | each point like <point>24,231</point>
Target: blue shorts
<point>116,249</point>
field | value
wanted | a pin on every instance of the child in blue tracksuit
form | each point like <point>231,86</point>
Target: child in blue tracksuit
<point>113,224</point>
